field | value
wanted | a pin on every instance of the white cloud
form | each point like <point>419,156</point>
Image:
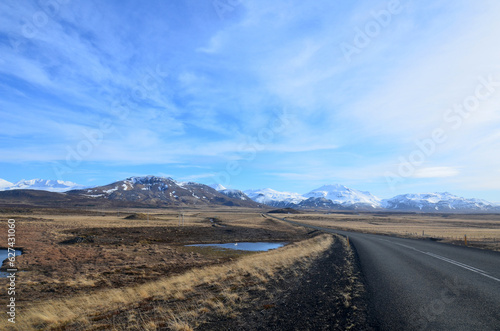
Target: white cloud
<point>436,172</point>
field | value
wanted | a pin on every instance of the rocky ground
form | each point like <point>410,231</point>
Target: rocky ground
<point>329,296</point>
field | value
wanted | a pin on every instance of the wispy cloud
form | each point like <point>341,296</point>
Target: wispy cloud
<point>436,172</point>
<point>182,88</point>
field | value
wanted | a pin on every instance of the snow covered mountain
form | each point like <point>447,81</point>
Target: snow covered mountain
<point>4,184</point>
<point>345,196</point>
<point>429,202</point>
<point>274,198</point>
<point>40,184</point>
<point>232,193</point>
<point>218,187</point>
<point>161,191</point>
<point>236,194</point>
<point>326,197</point>
<point>320,203</point>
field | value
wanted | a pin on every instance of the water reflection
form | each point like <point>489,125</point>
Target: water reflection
<point>4,254</point>
<point>245,246</point>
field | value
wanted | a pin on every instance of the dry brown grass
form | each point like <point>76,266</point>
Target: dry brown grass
<point>354,287</point>
<point>117,252</point>
<point>118,217</point>
<point>481,230</point>
<point>179,302</point>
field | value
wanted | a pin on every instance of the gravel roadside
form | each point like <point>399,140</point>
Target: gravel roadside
<point>329,296</point>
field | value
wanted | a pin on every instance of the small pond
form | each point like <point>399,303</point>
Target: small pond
<point>3,256</point>
<point>245,246</point>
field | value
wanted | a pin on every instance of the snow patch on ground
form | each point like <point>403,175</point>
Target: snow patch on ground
<point>111,190</point>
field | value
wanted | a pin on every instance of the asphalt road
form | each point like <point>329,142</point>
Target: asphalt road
<point>427,285</point>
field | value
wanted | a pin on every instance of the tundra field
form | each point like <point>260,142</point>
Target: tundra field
<point>480,230</point>
<point>130,269</point>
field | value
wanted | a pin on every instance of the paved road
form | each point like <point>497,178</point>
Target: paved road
<point>427,285</point>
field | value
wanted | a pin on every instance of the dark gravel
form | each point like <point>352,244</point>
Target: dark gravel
<point>315,300</point>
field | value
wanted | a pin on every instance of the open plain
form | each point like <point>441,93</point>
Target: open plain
<point>480,230</point>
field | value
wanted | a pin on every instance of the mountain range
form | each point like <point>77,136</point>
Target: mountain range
<point>40,184</point>
<point>430,202</point>
<point>165,192</point>
<point>146,191</point>
<point>161,191</point>
<point>340,197</point>
<point>274,198</point>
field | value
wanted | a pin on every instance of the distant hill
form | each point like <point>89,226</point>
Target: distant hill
<point>161,191</point>
<point>320,203</point>
<point>340,197</point>
<point>147,191</point>
<point>236,194</point>
<point>39,198</point>
<point>330,197</point>
<point>285,211</point>
<point>345,196</point>
<point>232,193</point>
<point>275,198</point>
<point>432,202</point>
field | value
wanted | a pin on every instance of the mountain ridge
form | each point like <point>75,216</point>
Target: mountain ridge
<point>437,202</point>
<point>274,198</point>
<point>165,191</point>
<point>344,195</point>
<point>4,184</point>
<point>162,191</point>
<point>341,197</point>
<point>50,185</point>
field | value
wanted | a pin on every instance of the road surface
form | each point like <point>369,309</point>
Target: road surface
<point>427,285</point>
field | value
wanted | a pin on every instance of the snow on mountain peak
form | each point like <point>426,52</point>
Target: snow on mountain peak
<point>147,179</point>
<point>218,187</point>
<point>272,197</point>
<point>4,184</point>
<point>336,193</point>
<point>344,195</point>
<point>41,184</point>
<point>435,201</point>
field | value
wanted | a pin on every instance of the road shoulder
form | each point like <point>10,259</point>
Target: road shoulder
<point>328,296</point>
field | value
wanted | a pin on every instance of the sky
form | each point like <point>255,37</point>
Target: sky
<point>390,97</point>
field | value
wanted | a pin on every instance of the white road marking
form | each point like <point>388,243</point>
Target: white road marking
<point>459,264</point>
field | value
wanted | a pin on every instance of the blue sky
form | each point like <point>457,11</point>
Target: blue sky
<point>386,96</point>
